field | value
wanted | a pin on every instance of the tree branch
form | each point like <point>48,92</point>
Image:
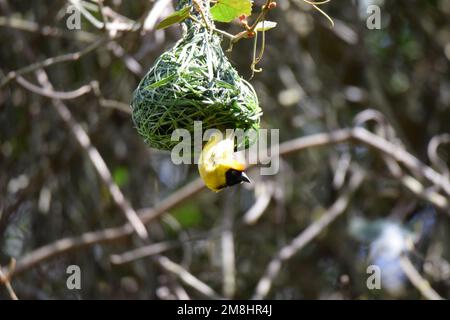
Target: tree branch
<point>312,231</point>
<point>96,159</point>
<point>149,214</point>
<point>417,280</point>
<point>12,75</point>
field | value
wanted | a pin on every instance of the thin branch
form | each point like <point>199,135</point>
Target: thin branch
<point>85,12</point>
<point>429,194</point>
<point>264,195</point>
<point>366,137</point>
<point>96,159</point>
<point>47,31</point>
<point>227,247</point>
<point>186,277</point>
<point>51,93</point>
<point>114,104</point>
<point>147,215</point>
<point>402,156</point>
<point>101,8</point>
<point>142,252</point>
<point>433,155</point>
<point>155,14</point>
<point>5,279</point>
<point>312,231</point>
<point>131,63</point>
<point>109,235</point>
<point>52,61</point>
<point>69,95</point>
<point>221,32</point>
<point>417,280</point>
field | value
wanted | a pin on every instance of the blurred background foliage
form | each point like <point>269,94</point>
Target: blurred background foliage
<point>315,79</point>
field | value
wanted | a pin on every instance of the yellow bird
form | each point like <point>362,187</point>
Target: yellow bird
<point>217,166</point>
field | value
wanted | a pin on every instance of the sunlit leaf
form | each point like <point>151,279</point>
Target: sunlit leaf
<point>265,25</point>
<point>227,10</point>
<point>175,17</point>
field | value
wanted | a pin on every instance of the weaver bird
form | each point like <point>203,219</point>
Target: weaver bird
<point>217,166</point>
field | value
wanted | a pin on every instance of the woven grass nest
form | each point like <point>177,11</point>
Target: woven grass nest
<point>193,81</point>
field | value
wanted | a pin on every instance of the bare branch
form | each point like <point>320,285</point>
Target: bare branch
<point>437,161</point>
<point>52,61</point>
<point>264,193</point>
<point>402,156</point>
<point>312,231</point>
<point>96,159</point>
<point>131,63</point>
<point>227,248</point>
<point>50,93</point>
<point>5,279</point>
<point>142,252</point>
<point>50,31</point>
<point>187,277</point>
<point>147,215</point>
<point>417,280</point>
<point>155,14</point>
<point>87,239</point>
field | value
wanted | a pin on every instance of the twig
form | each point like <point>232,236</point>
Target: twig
<point>312,231</point>
<point>96,159</point>
<point>87,239</point>
<point>50,93</point>
<point>417,280</point>
<point>85,12</point>
<point>141,252</point>
<point>341,170</point>
<point>237,37</point>
<point>52,61</point>
<point>187,277</point>
<point>131,63</point>
<point>5,279</point>
<point>264,195</point>
<point>155,14</point>
<point>433,155</point>
<point>147,215</point>
<point>69,95</point>
<point>179,291</point>
<point>387,132</point>
<point>47,31</point>
<point>199,8</point>
<point>366,137</point>
<point>101,8</point>
<point>114,104</point>
<point>261,16</point>
<point>429,194</point>
<point>227,248</point>
<point>221,32</point>
<point>402,156</point>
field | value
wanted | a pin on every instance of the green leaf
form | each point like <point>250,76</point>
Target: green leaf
<point>265,25</point>
<point>175,17</point>
<point>188,215</point>
<point>120,175</point>
<point>227,10</point>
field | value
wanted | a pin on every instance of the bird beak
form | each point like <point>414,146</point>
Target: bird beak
<point>244,177</point>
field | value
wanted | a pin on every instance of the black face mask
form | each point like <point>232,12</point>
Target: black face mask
<point>233,177</point>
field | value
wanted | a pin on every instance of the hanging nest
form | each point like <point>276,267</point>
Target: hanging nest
<point>193,81</point>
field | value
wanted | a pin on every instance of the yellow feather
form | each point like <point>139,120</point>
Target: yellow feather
<point>215,160</point>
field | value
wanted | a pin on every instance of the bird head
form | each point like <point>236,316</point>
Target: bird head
<point>217,166</point>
